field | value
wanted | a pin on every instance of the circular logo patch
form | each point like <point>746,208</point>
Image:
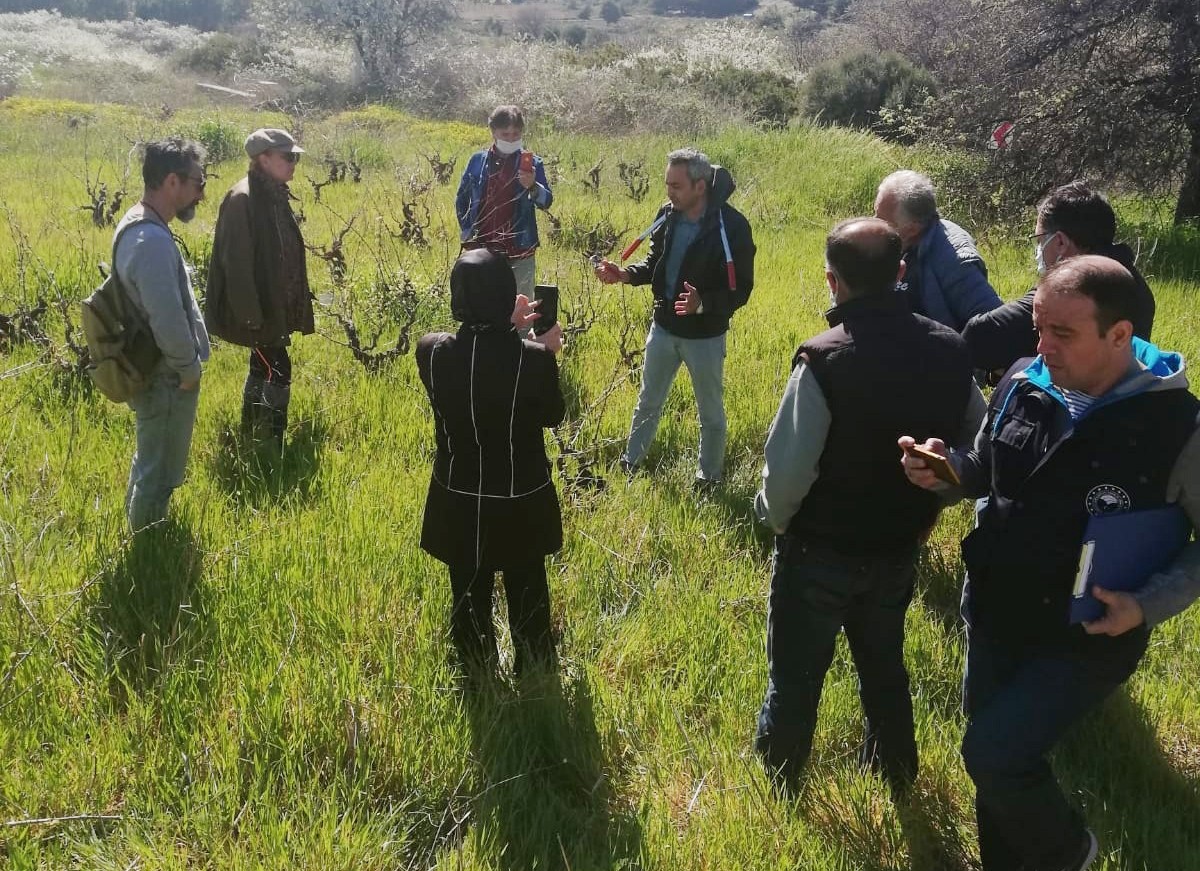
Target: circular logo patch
<point>1107,499</point>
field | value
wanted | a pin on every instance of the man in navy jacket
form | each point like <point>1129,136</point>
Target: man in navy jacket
<point>945,279</point>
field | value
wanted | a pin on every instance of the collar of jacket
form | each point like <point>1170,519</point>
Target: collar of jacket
<point>886,304</point>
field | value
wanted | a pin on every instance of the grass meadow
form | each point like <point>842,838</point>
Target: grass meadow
<point>265,683</point>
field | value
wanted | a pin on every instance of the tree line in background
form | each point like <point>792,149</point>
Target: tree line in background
<point>201,14</point>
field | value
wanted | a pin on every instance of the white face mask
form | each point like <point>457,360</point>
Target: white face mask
<point>505,147</point>
<point>1040,255</point>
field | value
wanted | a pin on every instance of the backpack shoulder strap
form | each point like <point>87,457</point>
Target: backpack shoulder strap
<point>120,235</point>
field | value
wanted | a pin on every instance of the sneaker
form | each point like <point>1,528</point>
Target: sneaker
<point>705,486</point>
<point>1088,850</point>
<point>627,467</point>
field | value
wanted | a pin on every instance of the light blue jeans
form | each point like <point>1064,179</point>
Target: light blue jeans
<point>705,361</point>
<point>164,416</point>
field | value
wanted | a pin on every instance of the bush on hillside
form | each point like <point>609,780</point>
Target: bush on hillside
<point>220,52</point>
<point>610,12</point>
<point>767,99</point>
<point>852,91</point>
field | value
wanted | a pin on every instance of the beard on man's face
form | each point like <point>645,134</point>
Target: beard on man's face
<point>187,213</point>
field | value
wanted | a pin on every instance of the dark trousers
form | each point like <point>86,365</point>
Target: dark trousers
<point>271,365</point>
<point>815,592</point>
<point>1019,702</point>
<point>267,392</point>
<point>528,596</point>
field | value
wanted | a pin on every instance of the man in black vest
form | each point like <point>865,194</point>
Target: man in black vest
<point>848,526</point>
<point>1099,422</point>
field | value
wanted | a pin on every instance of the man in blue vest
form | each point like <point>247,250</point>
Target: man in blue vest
<point>1100,421</point>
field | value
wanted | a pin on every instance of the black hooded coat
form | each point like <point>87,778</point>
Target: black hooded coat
<point>703,265</point>
<point>491,499</point>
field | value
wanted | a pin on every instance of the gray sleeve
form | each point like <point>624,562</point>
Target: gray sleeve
<point>1170,592</point>
<point>794,447</point>
<point>149,267</point>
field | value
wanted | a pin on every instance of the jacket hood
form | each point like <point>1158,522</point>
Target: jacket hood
<point>482,290</point>
<point>1154,370</point>
<point>722,187</point>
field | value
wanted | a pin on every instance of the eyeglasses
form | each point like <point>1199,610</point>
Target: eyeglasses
<point>1037,237</point>
<point>199,180</point>
<point>290,156</point>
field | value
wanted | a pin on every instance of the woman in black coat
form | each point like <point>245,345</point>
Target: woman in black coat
<point>492,506</point>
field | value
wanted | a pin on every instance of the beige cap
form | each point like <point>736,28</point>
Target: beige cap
<point>271,139</point>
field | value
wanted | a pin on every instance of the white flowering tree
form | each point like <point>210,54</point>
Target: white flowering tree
<point>384,33</point>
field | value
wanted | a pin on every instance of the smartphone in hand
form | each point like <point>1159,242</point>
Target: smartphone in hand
<point>939,465</point>
<point>547,296</point>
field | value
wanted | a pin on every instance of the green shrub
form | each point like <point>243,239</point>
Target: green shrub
<point>768,99</point>
<point>610,12</point>
<point>852,91</point>
<point>222,140</point>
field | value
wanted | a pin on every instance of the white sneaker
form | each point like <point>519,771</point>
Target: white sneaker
<point>1087,853</point>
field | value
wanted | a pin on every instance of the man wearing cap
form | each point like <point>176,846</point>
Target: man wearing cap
<point>258,292</point>
<point>498,193</point>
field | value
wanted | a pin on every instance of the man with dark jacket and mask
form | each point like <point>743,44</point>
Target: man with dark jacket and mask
<point>1073,219</point>
<point>258,292</point>
<point>700,267</point>
<point>492,506</point>
<point>1099,423</point>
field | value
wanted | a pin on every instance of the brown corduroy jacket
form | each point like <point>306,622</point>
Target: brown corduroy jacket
<point>258,291</point>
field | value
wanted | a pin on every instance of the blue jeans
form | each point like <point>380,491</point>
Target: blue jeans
<point>815,592</point>
<point>1019,703</point>
<point>164,416</point>
<point>705,361</point>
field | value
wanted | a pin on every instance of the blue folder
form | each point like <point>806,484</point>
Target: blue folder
<point>1121,552</point>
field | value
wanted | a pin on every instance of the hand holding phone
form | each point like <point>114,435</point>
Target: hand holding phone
<point>936,463</point>
<point>547,297</point>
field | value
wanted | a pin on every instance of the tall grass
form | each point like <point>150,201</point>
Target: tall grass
<point>265,683</point>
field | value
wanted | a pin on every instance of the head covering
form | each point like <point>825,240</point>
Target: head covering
<point>271,139</point>
<point>483,290</point>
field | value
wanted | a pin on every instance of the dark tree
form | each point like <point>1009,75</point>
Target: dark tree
<point>1107,89</point>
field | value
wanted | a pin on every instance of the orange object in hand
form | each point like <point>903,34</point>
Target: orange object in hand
<point>526,161</point>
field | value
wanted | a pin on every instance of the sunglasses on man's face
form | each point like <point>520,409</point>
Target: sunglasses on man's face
<point>290,156</point>
<point>199,180</point>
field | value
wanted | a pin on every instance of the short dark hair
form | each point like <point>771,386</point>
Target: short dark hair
<point>169,156</point>
<point>1102,280</point>
<point>1080,212</point>
<point>864,253</point>
<point>506,116</point>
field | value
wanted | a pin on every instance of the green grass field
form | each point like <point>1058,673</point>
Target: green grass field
<point>266,684</point>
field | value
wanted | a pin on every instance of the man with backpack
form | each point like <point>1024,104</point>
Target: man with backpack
<point>153,274</point>
<point>701,269</point>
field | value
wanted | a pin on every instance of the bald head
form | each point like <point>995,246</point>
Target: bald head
<point>863,254</point>
<point>1101,279</point>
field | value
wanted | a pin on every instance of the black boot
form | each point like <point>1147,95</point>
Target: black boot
<point>275,402</point>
